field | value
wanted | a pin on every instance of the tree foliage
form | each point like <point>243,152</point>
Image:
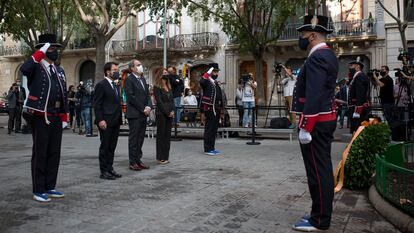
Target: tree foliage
<point>252,24</point>
<point>400,19</point>
<point>24,20</point>
<point>104,18</point>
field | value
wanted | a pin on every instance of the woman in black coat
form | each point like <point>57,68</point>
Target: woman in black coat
<point>164,116</point>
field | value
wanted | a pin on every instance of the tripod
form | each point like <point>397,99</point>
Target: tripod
<point>276,79</point>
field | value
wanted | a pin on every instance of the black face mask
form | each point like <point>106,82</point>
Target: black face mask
<point>165,77</point>
<point>214,76</point>
<point>352,71</point>
<point>53,55</point>
<point>383,73</point>
<point>115,75</point>
<point>303,43</point>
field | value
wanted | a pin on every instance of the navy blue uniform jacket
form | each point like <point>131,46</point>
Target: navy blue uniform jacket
<point>314,93</point>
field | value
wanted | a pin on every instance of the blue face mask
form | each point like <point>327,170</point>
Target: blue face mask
<point>303,43</point>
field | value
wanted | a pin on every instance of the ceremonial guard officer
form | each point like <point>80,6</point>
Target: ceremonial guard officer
<point>358,99</point>
<point>212,105</point>
<point>313,99</point>
<point>46,110</point>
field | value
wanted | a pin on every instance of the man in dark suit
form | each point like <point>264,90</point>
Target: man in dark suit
<point>47,109</point>
<point>107,106</point>
<point>138,109</point>
<point>313,99</point>
<point>12,101</point>
<point>21,97</point>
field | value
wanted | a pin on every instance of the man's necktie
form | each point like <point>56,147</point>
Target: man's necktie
<point>52,72</point>
<point>115,90</point>
<point>142,82</point>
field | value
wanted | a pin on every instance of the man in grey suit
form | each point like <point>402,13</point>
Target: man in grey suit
<point>138,109</point>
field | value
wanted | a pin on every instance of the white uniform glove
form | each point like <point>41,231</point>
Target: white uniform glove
<point>64,124</point>
<point>304,136</point>
<point>210,70</point>
<point>356,115</point>
<point>45,47</point>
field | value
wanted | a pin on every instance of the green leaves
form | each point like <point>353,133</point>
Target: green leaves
<point>360,165</point>
<point>25,19</point>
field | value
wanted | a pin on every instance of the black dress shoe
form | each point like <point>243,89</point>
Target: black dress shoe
<point>114,173</point>
<point>142,165</point>
<point>107,176</point>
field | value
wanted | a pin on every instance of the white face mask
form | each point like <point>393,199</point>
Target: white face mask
<point>140,69</point>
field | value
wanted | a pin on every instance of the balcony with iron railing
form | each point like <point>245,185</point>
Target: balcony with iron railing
<point>344,29</point>
<point>182,42</point>
<point>18,50</point>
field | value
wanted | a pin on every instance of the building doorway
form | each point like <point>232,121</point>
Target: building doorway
<point>247,67</point>
<point>87,72</point>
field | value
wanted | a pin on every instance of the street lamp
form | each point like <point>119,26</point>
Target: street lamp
<point>165,33</point>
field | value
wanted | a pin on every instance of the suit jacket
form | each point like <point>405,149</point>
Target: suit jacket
<point>12,98</point>
<point>137,97</point>
<point>165,101</point>
<point>106,104</point>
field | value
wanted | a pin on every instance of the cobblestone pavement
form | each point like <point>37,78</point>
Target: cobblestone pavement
<point>247,189</point>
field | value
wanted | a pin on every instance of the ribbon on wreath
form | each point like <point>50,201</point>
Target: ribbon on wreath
<point>339,174</point>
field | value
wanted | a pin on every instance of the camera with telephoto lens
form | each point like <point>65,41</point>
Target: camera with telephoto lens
<point>400,71</point>
<point>245,78</point>
<point>278,67</point>
<point>404,56</point>
<point>371,72</point>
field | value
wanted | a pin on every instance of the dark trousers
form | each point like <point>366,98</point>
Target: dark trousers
<point>71,115</point>
<point>241,113</point>
<point>78,117</point>
<point>317,158</point>
<point>137,127</point>
<point>210,129</point>
<point>387,108</point>
<point>109,140</point>
<point>12,118</point>
<point>47,141</point>
<point>19,110</point>
<point>164,124</point>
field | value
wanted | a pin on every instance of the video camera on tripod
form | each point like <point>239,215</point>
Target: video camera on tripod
<point>278,67</point>
<point>403,113</point>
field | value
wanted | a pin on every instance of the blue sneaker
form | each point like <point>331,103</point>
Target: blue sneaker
<point>305,218</point>
<point>217,152</point>
<point>41,197</point>
<point>55,194</point>
<point>212,153</point>
<point>304,226</point>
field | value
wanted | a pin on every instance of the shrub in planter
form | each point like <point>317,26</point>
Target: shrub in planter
<point>360,164</point>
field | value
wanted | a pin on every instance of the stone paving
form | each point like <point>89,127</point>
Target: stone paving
<point>247,189</point>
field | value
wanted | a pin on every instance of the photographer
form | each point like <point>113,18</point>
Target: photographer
<point>85,96</point>
<point>288,86</point>
<point>249,86</point>
<point>386,95</point>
